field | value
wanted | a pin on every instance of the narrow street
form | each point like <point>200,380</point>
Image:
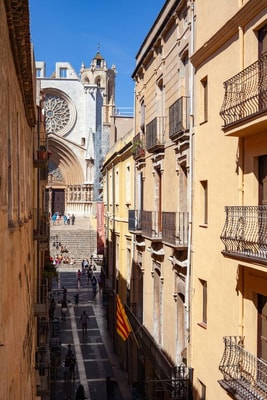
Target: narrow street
<point>95,359</point>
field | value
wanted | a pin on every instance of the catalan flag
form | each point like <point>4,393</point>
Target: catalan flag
<point>123,326</point>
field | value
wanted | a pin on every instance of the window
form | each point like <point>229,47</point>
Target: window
<point>142,116</point>
<point>63,72</point>
<point>38,72</point>
<point>204,302</point>
<point>204,87</point>
<point>128,185</point>
<point>204,185</point>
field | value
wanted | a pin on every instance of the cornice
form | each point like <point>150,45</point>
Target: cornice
<point>228,30</point>
<point>17,12</point>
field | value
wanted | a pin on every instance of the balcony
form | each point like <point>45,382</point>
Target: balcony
<point>155,135</point>
<point>245,100</point>
<point>175,228</point>
<point>41,302</point>
<point>179,118</point>
<point>138,149</point>
<point>244,233</point>
<point>41,154</point>
<point>151,225</point>
<point>134,221</point>
<point>42,368</point>
<point>41,225</point>
<point>244,375</point>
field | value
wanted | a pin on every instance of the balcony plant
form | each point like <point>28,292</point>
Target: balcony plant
<point>138,148</point>
<point>50,273</point>
<point>42,153</point>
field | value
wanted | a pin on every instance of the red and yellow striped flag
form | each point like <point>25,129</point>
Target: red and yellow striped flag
<point>123,326</point>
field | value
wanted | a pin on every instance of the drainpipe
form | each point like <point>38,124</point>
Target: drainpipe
<point>190,200</point>
<point>241,146</point>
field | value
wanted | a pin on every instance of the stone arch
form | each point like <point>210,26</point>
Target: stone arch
<point>67,162</point>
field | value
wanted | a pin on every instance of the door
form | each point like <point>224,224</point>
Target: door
<point>262,327</point>
<point>58,201</point>
<point>263,180</point>
<point>262,39</point>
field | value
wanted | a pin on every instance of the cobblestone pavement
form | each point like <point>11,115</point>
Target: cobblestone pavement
<point>93,350</point>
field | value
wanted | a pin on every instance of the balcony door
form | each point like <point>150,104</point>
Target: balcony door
<point>262,39</point>
<point>262,327</point>
<point>263,180</point>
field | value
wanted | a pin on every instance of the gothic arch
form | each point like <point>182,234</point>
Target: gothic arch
<point>67,162</point>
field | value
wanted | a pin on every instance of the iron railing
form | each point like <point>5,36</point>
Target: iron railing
<point>179,117</point>
<point>244,375</point>
<point>245,232</point>
<point>177,380</point>
<point>151,224</point>
<point>175,228</point>
<point>155,134</point>
<point>245,93</point>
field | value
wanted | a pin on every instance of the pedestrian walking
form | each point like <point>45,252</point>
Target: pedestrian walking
<point>72,367</point>
<point>84,319</point>
<point>64,307</point>
<point>89,274</point>
<point>80,395</point>
<point>94,285</point>
<point>76,299</point>
<point>111,387</point>
<point>72,219</point>
<point>79,279</point>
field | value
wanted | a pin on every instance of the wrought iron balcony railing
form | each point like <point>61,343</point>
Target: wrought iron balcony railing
<point>41,225</point>
<point>155,134</point>
<point>244,375</point>
<point>244,233</point>
<point>134,220</point>
<point>179,117</point>
<point>151,224</point>
<point>245,93</point>
<point>175,228</point>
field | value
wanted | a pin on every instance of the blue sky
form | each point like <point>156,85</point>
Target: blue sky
<point>70,31</point>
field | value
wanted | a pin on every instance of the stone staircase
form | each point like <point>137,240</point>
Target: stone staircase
<point>80,241</point>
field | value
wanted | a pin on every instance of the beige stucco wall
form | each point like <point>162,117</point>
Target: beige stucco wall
<point>17,325</point>
<point>229,166</point>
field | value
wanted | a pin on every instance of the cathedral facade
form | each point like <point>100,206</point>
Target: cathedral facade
<point>78,118</point>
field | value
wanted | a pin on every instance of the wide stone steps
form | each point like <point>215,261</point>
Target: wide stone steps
<point>80,243</point>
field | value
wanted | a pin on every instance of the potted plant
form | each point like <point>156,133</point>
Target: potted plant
<point>42,153</point>
<point>138,148</point>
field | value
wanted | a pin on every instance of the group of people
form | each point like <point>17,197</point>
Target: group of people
<point>60,259</point>
<point>69,219</point>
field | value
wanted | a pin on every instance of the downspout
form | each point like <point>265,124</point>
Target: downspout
<point>241,146</point>
<point>190,200</point>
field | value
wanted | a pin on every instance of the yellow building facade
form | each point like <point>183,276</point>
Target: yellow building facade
<point>118,197</point>
<point>160,221</point>
<point>228,291</point>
